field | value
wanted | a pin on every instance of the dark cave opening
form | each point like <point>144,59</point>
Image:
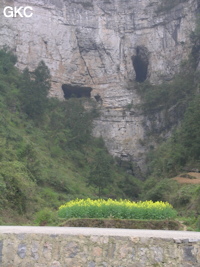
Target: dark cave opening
<point>140,63</point>
<point>76,91</point>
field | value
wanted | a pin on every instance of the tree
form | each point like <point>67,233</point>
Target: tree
<point>72,120</point>
<point>189,135</point>
<point>35,88</point>
<point>100,174</point>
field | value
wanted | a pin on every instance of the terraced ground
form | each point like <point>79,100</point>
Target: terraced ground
<point>188,178</point>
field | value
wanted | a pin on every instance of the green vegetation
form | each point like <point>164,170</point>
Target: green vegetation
<point>34,91</point>
<point>181,152</point>
<point>100,175</point>
<point>124,223</point>
<point>122,209</point>
<point>46,217</point>
<point>177,93</point>
<point>181,95</point>
<point>182,149</point>
<point>184,197</point>
<point>198,223</point>
<point>47,152</point>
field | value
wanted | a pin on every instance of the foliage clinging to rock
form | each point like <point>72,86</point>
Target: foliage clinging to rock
<point>46,146</point>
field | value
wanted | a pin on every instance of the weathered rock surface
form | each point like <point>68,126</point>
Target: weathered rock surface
<point>103,45</point>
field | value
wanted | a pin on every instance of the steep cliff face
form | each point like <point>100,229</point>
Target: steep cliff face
<point>99,46</point>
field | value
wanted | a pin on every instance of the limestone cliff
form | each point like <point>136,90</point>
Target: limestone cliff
<point>99,46</point>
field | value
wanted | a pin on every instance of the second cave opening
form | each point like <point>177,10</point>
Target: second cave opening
<point>76,91</point>
<point>140,63</point>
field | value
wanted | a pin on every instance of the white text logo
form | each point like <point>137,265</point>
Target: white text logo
<point>13,12</point>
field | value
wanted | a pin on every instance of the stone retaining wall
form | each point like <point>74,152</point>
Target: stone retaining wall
<point>25,249</point>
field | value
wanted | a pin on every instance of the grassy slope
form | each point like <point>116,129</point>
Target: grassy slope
<point>45,160</point>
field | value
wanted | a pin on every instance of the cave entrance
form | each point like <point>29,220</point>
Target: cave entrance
<point>140,63</point>
<point>76,91</point>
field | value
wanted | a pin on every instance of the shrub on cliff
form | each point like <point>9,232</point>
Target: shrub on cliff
<point>182,148</point>
<point>34,91</point>
<point>100,175</point>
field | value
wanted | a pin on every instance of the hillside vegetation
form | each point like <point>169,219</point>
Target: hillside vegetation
<point>47,153</point>
<point>180,153</point>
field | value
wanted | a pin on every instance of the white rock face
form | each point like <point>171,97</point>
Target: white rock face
<point>93,43</point>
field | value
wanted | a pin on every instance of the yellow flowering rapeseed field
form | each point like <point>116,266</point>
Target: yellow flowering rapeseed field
<point>121,209</point>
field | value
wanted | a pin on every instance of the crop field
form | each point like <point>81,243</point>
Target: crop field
<point>122,209</point>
